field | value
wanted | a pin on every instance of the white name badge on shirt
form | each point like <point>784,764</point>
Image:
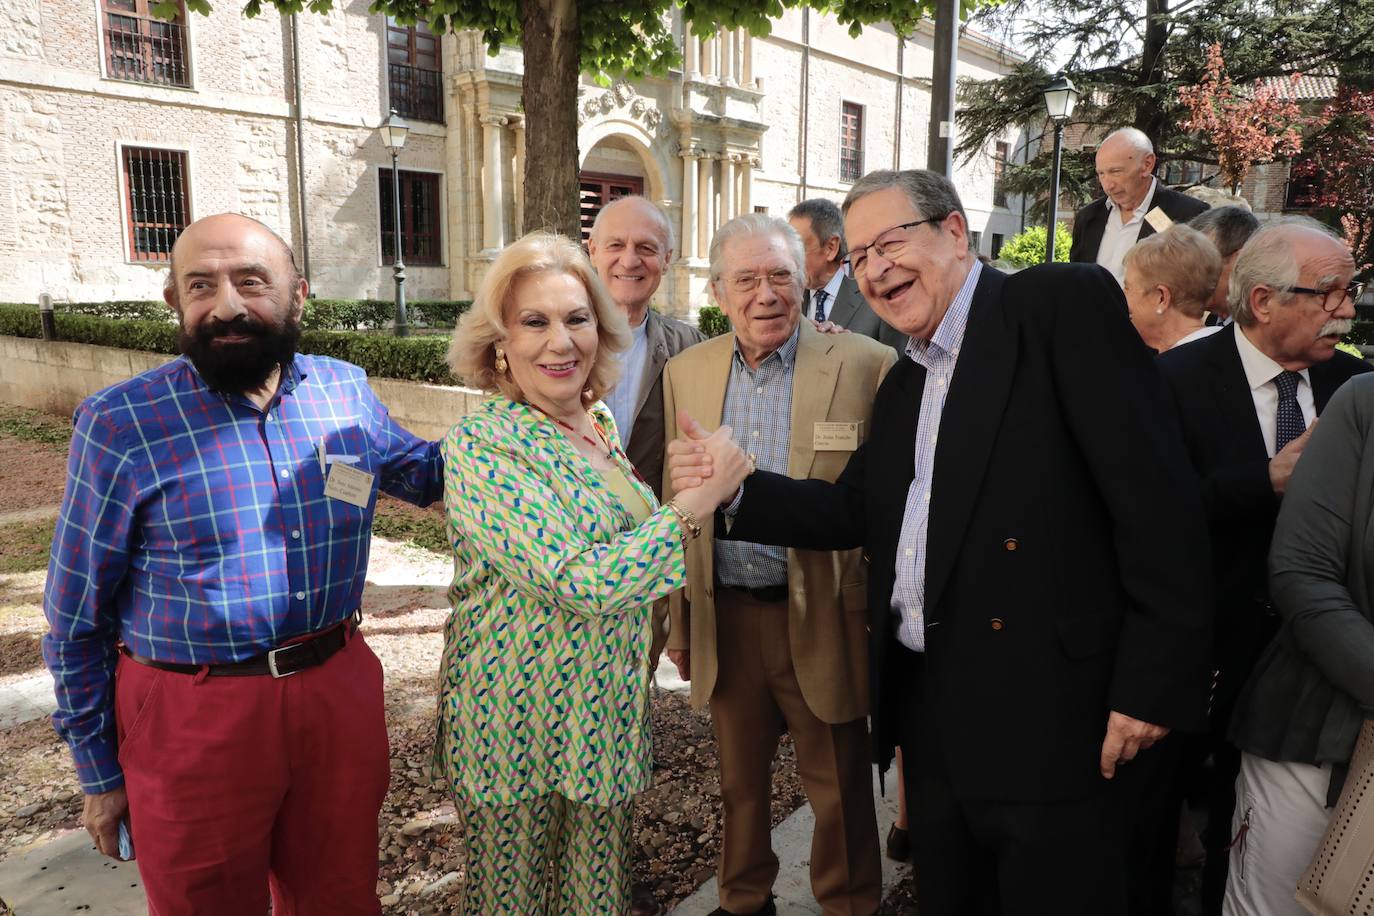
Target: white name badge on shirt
<point>835,437</point>
<point>1158,220</point>
<point>349,484</point>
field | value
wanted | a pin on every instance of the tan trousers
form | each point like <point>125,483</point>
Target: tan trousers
<point>755,698</point>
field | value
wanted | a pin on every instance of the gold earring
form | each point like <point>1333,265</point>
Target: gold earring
<point>500,363</point>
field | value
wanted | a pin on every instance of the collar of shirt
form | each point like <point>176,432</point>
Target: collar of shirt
<point>949,335</point>
<point>832,289</point>
<point>786,354</point>
<point>291,377</point>
<point>1139,212</point>
<point>1259,368</point>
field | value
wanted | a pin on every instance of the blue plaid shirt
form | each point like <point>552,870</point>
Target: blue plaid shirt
<point>195,529</point>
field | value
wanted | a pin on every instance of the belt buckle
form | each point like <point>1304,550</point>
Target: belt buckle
<point>272,663</point>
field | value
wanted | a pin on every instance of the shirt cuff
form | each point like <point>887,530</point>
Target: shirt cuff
<point>97,765</point>
<point>733,508</point>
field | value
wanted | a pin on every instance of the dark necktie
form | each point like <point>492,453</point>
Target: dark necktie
<point>1288,424</point>
<point>820,296</point>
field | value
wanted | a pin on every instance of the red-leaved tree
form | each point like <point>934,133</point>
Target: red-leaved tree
<point>1338,167</point>
<point>1246,126</point>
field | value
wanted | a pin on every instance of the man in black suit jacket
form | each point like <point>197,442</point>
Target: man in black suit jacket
<point>1038,610</point>
<point>1226,397</point>
<point>821,227</point>
<point>1105,228</point>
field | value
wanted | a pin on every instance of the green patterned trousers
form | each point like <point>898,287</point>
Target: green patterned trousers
<point>547,857</point>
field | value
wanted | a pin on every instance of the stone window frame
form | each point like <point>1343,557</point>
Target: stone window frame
<point>142,10</point>
<point>386,207</point>
<point>851,157</point>
<point>131,255</point>
<point>1001,158</point>
<point>410,112</point>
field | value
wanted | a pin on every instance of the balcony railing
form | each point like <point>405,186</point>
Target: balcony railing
<point>415,93</point>
<point>145,49</point>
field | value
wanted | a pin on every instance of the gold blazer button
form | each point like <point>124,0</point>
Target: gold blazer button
<point>996,623</point>
<point>1010,544</point>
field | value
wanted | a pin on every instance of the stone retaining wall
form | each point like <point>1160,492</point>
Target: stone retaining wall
<point>54,377</point>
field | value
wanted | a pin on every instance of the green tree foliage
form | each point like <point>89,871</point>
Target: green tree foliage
<point>563,38</point>
<point>1130,59</point>
<point>1026,249</point>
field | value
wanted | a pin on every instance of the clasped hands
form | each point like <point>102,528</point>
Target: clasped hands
<point>706,468</point>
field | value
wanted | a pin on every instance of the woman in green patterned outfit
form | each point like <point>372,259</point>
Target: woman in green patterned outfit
<point>559,554</point>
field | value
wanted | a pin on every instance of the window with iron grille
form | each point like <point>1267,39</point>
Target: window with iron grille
<point>421,241</point>
<point>596,191</point>
<point>141,47</point>
<point>851,141</point>
<point>158,201</point>
<point>414,75</point>
<point>1000,158</point>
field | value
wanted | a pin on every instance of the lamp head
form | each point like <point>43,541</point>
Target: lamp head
<point>1060,98</point>
<point>393,131</point>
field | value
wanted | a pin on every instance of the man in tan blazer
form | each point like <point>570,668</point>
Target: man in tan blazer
<point>774,638</point>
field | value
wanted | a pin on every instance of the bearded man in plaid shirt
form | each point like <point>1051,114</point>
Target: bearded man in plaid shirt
<point>203,598</point>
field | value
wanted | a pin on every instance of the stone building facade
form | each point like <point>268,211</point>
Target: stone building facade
<point>115,129</point>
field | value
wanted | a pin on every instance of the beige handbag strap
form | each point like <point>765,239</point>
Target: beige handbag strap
<point>1340,880</point>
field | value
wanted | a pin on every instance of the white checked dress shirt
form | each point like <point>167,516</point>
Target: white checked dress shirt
<point>938,357</point>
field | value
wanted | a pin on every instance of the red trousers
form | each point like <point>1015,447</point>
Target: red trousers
<point>238,784</point>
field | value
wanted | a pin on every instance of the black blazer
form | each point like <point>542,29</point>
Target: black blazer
<point>1066,568</point>
<point>1216,414</point>
<point>1091,221</point>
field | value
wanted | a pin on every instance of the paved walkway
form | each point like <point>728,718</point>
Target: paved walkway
<point>30,698</point>
<point>792,844</point>
<point>67,875</point>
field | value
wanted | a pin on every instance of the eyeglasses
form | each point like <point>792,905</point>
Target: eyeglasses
<point>747,283</point>
<point>888,245</point>
<point>1331,298</point>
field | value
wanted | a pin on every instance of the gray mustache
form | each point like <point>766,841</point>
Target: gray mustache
<point>1338,326</point>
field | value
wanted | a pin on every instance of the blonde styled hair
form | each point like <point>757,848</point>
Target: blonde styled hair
<point>472,352</point>
<point>1182,259</point>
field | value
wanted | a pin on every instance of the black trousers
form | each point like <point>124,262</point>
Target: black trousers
<point>1092,856</point>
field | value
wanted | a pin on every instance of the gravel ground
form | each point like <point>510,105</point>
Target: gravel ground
<point>422,864</point>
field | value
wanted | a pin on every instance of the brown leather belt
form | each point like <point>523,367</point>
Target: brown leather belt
<point>311,651</point>
<point>765,594</point>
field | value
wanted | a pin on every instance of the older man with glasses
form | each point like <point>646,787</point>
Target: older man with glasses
<point>1037,606</point>
<point>773,638</point>
<point>1246,398</point>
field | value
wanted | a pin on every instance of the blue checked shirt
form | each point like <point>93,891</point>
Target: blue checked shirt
<point>758,407</point>
<point>195,529</point>
<point>938,356</point>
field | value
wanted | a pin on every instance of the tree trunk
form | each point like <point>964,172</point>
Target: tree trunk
<point>1149,112</point>
<point>552,73</point>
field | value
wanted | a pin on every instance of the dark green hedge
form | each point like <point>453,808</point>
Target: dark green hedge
<point>317,315</point>
<point>416,359</point>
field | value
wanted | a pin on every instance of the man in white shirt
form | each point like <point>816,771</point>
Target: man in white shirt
<point>1245,398</point>
<point>631,246</point>
<point>831,294</point>
<point>1107,227</point>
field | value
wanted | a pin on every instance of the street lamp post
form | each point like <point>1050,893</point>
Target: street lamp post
<point>1060,98</point>
<point>393,131</point>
